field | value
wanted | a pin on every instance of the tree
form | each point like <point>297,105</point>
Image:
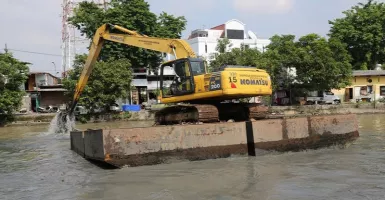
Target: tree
<point>278,59</point>
<point>13,74</point>
<point>362,29</point>
<point>322,64</point>
<point>319,64</point>
<point>222,45</point>
<point>131,14</point>
<point>109,81</point>
<point>227,58</point>
<point>237,56</point>
<point>169,26</point>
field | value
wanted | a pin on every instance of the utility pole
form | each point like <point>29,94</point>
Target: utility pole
<point>6,48</point>
<point>54,67</point>
<point>105,5</point>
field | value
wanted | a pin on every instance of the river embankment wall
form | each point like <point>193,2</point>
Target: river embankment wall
<point>164,144</point>
<point>287,111</point>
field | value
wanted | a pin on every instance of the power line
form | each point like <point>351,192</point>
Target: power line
<point>34,52</point>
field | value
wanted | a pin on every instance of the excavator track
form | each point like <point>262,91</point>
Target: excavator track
<point>257,111</point>
<point>210,113</point>
<point>187,113</point>
<point>242,111</point>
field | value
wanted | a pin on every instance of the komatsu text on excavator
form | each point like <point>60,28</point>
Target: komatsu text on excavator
<point>198,96</point>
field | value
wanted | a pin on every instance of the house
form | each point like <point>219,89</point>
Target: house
<point>366,85</point>
<point>146,83</point>
<point>43,90</point>
<point>204,41</point>
<point>37,79</point>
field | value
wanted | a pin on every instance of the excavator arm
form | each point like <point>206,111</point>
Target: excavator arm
<point>178,48</point>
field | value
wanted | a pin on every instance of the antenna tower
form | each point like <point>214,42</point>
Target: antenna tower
<point>72,42</point>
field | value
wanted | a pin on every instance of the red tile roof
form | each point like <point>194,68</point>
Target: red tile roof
<point>219,27</point>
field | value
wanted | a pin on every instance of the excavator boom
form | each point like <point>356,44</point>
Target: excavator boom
<point>178,48</point>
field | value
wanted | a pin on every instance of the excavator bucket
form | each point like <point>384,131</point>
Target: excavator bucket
<point>64,122</point>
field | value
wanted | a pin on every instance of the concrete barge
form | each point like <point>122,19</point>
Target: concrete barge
<point>156,145</point>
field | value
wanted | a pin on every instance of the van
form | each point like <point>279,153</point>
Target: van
<point>322,97</point>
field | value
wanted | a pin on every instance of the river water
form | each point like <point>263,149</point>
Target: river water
<point>35,164</point>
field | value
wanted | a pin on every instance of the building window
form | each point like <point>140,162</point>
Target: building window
<point>382,90</point>
<point>370,89</point>
<point>235,34</point>
<point>366,90</point>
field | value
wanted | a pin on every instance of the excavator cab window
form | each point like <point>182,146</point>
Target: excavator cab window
<point>198,67</point>
<point>183,80</point>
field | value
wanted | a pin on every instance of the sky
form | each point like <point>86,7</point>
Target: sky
<point>35,26</point>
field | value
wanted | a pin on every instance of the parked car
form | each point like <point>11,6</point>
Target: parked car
<point>115,108</point>
<point>322,97</point>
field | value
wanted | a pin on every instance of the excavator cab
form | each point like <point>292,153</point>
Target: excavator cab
<point>184,70</point>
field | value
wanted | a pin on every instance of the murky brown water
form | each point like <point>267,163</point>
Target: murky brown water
<point>38,165</point>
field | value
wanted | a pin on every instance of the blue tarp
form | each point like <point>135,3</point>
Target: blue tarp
<point>131,108</point>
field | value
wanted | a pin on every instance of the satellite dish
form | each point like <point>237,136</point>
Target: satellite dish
<point>252,35</point>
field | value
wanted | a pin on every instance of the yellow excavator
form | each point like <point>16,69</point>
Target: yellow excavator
<point>198,96</point>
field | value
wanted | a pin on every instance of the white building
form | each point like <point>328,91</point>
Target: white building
<point>204,41</point>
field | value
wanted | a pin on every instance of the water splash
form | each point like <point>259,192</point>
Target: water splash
<point>62,123</point>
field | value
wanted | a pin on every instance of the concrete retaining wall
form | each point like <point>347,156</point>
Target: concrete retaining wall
<point>155,145</point>
<point>346,108</point>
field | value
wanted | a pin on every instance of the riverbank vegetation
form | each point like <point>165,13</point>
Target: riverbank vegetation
<point>13,74</point>
<point>110,80</point>
<point>362,31</point>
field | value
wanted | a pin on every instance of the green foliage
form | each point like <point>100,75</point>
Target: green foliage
<point>279,57</point>
<point>83,119</point>
<point>121,116</point>
<point>222,45</point>
<point>237,56</point>
<point>227,58</point>
<point>322,64</point>
<point>245,100</point>
<point>131,14</point>
<point>319,64</point>
<point>362,29</point>
<point>266,100</point>
<point>109,81</point>
<point>13,73</point>
<point>169,26</point>
<point>156,92</point>
<point>126,115</point>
